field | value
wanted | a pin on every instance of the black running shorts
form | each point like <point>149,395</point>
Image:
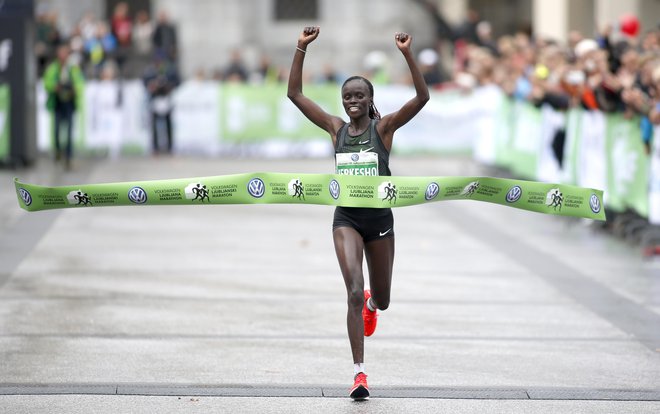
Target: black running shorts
<point>371,223</point>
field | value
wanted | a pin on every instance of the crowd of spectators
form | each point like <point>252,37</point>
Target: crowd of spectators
<point>616,71</point>
<point>121,46</point>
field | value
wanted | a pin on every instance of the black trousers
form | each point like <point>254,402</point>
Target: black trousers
<point>161,123</point>
<point>64,117</point>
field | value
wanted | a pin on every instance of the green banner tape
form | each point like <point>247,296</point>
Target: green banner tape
<point>326,189</point>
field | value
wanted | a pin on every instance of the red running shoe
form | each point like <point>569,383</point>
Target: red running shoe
<point>370,317</point>
<point>360,390</point>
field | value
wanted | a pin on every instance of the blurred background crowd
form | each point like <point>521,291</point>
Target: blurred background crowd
<point>615,69</point>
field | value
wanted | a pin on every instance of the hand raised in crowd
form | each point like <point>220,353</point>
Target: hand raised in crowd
<point>308,35</point>
<point>635,98</point>
<point>612,82</point>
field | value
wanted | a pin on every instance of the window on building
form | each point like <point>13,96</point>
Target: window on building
<point>296,9</point>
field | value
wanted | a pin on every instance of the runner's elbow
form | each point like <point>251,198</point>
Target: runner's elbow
<point>293,94</point>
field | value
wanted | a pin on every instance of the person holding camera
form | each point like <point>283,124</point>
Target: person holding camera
<point>160,79</point>
<point>62,81</point>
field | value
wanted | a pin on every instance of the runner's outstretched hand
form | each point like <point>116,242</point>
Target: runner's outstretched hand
<point>403,40</point>
<point>308,35</point>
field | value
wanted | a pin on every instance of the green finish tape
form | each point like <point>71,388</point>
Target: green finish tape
<point>325,189</point>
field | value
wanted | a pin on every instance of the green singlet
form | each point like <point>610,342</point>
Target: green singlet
<point>364,154</point>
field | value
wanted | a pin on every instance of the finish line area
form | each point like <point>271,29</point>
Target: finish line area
<point>493,309</point>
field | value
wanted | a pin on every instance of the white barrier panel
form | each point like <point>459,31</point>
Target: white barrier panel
<point>114,117</point>
<point>591,156</point>
<point>654,179</point>
<point>486,122</point>
<point>196,118</point>
<point>447,122</point>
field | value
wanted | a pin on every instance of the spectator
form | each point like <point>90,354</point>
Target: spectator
<point>217,74</point>
<point>376,67</point>
<point>142,47</point>
<point>267,72</point>
<point>484,32</point>
<point>100,48</point>
<point>651,42</point>
<point>87,26</point>
<point>236,70</point>
<point>468,29</point>
<point>586,52</point>
<point>109,72</point>
<point>330,75</point>
<point>77,45</point>
<point>481,64</point>
<point>142,33</point>
<point>654,113</point>
<point>121,27</point>
<point>165,37</point>
<point>47,39</point>
<point>62,81</point>
<point>160,79</point>
<point>430,67</point>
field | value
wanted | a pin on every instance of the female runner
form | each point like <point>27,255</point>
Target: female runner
<point>361,232</point>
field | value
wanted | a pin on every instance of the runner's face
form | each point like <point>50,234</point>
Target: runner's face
<point>356,98</point>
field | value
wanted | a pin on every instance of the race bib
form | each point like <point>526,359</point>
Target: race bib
<point>357,163</point>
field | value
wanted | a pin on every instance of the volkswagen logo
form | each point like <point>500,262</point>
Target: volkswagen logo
<point>514,194</point>
<point>137,195</point>
<point>256,188</point>
<point>432,191</point>
<point>355,157</point>
<point>334,189</point>
<point>594,203</point>
<point>25,196</point>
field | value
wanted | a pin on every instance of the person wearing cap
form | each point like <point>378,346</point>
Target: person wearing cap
<point>429,65</point>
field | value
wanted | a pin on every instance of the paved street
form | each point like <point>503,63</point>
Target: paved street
<point>242,308</point>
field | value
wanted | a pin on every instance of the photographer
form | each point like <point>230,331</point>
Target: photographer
<point>63,82</point>
<point>160,79</point>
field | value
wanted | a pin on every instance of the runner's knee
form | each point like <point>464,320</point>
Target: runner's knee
<point>356,298</point>
<point>382,302</point>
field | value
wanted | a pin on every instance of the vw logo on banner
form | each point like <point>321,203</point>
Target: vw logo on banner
<point>137,195</point>
<point>594,203</point>
<point>334,189</point>
<point>25,196</point>
<point>432,191</point>
<point>514,194</point>
<point>256,188</point>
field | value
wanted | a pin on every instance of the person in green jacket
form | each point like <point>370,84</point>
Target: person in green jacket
<point>63,81</point>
